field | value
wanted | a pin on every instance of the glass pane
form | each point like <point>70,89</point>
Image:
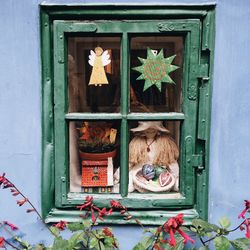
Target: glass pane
<point>94,74</point>
<point>154,156</point>
<point>94,156</point>
<point>159,86</point>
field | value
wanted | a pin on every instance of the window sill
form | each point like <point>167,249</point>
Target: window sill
<point>155,217</point>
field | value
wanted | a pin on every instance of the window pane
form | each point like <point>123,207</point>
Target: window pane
<point>153,92</point>
<point>94,74</point>
<point>94,156</point>
<point>154,156</point>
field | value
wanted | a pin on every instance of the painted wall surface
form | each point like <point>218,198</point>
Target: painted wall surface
<point>20,112</point>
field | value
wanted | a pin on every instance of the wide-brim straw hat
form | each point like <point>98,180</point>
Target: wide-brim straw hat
<point>144,125</point>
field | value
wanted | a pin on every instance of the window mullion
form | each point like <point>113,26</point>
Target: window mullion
<point>124,111</point>
<point>124,74</point>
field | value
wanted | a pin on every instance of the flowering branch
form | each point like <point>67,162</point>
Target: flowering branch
<point>4,241</point>
<point>6,183</point>
<point>96,213</point>
<point>170,233</point>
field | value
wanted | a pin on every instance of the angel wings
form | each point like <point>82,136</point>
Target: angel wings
<point>98,60</point>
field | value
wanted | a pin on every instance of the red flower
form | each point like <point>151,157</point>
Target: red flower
<point>107,232</point>
<point>247,206</point>
<point>2,179</point>
<point>87,204</point>
<point>248,234</point>
<point>117,204</point>
<point>13,227</point>
<point>186,237</point>
<point>5,181</point>
<point>2,240</point>
<point>14,192</point>
<point>103,212</point>
<point>93,218</point>
<point>7,184</point>
<point>159,229</point>
<point>172,226</point>
<point>60,225</point>
<point>246,223</point>
<point>21,202</point>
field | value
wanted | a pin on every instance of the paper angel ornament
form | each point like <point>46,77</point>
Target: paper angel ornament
<point>98,60</point>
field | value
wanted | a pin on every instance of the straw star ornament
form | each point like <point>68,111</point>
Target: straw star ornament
<point>155,69</point>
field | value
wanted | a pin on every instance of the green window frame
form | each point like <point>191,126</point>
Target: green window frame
<point>196,25</point>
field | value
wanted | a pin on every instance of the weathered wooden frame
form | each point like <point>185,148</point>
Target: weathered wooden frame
<point>196,23</point>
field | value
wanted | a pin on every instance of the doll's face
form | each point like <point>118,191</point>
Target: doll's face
<point>98,51</point>
<point>150,132</point>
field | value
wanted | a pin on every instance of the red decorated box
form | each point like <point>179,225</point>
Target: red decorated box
<point>95,174</point>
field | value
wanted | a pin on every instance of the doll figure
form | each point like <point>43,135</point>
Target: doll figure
<point>153,157</point>
<point>98,60</point>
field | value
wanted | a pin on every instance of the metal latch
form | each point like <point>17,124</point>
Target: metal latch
<point>202,72</point>
<point>197,161</point>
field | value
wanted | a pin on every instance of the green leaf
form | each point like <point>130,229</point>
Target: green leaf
<point>55,231</point>
<point>179,244</point>
<point>102,247</point>
<point>150,230</point>
<point>239,245</point>
<point>147,241</point>
<point>59,244</point>
<point>87,223</point>
<point>166,246</point>
<point>24,244</point>
<point>108,241</point>
<point>39,247</point>
<point>225,222</point>
<point>221,243</point>
<point>73,240</point>
<point>139,246</point>
<point>82,243</point>
<point>93,242</point>
<point>75,227</point>
<point>204,226</point>
<point>204,248</point>
<point>244,240</point>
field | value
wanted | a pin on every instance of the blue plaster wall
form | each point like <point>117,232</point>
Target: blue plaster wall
<point>20,112</point>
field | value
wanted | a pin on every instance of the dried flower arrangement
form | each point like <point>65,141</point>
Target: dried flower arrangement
<point>97,137</point>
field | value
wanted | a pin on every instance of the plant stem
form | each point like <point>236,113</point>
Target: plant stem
<point>35,210</point>
<point>202,241</point>
<point>8,243</point>
<point>9,232</point>
<point>214,237</point>
<point>155,241</point>
<point>226,232</point>
<point>230,231</point>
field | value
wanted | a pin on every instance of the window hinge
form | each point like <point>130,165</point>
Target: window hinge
<point>197,161</point>
<point>202,72</point>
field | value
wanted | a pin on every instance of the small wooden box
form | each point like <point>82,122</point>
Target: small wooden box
<point>95,174</point>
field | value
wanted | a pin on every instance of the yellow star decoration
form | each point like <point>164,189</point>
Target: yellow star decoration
<point>155,69</point>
